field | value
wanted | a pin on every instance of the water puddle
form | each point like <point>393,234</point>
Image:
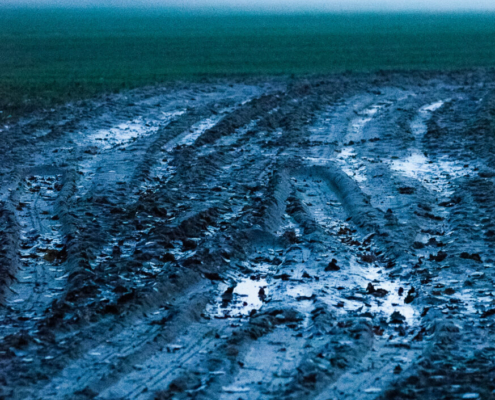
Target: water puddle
<point>235,302</point>
<point>358,124</point>
<point>345,289</point>
<point>352,165</point>
<point>361,275</point>
<point>188,137</point>
<point>228,140</point>
<point>129,131</point>
<point>418,125</point>
<point>435,176</point>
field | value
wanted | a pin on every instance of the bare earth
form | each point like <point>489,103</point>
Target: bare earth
<point>319,238</point>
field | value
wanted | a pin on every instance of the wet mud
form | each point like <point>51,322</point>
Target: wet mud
<point>285,238</point>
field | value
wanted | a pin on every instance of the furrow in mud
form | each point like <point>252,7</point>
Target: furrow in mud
<point>8,242</point>
<point>41,211</point>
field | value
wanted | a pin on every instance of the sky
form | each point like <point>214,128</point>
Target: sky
<point>276,5</point>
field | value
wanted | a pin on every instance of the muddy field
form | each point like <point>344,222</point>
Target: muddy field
<point>320,238</point>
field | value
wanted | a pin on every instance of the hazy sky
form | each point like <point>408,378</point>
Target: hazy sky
<point>279,5</point>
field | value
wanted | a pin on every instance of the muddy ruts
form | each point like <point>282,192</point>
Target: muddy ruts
<point>228,356</point>
<point>9,234</point>
<point>203,261</point>
<point>324,363</point>
<point>359,209</point>
<point>245,114</point>
<point>160,207</point>
<point>181,124</point>
<point>313,238</point>
<point>111,209</point>
<point>458,361</point>
<point>446,368</point>
<point>183,274</point>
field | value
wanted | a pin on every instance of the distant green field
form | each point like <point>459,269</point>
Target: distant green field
<point>49,56</point>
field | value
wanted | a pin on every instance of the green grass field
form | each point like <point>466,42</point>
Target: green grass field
<point>49,56</point>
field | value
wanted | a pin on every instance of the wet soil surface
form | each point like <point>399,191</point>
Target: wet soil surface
<point>319,238</point>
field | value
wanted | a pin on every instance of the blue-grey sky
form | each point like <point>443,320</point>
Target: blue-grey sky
<point>278,5</point>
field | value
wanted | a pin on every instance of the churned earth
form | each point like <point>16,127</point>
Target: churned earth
<point>282,238</point>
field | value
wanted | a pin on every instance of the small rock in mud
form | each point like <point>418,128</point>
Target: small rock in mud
<point>284,277</point>
<point>368,258</point>
<point>303,298</point>
<point>486,174</point>
<point>52,255</point>
<point>397,318</point>
<point>345,231</point>
<point>435,243</point>
<point>439,257</point>
<point>407,190</point>
<point>429,215</point>
<point>488,313</point>
<point>20,206</point>
<point>93,150</point>
<point>377,292</point>
<point>378,331</point>
<point>291,236</point>
<point>332,266</point>
<point>213,276</point>
<point>168,257</point>
<point>228,295</point>
<point>310,378</point>
<point>410,296</point>
<point>474,257</point>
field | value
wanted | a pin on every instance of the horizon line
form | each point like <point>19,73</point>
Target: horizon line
<point>247,10</point>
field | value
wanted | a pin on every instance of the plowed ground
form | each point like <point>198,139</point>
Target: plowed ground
<point>319,238</point>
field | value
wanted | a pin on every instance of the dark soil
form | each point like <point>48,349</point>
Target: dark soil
<point>319,238</point>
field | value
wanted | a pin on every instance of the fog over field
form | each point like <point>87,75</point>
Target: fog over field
<point>276,5</point>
